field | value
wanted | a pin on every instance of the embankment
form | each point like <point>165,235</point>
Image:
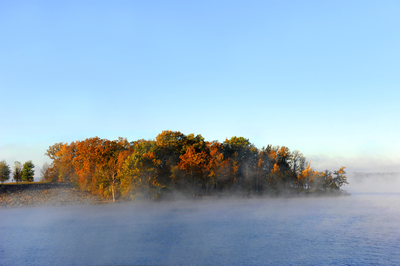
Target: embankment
<point>44,194</point>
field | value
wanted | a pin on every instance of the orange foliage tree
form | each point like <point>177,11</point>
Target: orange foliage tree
<point>194,164</point>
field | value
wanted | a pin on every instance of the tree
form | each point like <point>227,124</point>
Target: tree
<point>325,180</point>
<point>17,174</point>
<point>28,172</point>
<point>109,165</point>
<point>47,174</point>
<point>340,179</point>
<point>241,153</point>
<point>62,168</point>
<point>275,178</point>
<point>172,144</point>
<point>175,161</point>
<point>258,171</point>
<point>109,172</point>
<point>193,163</point>
<point>4,171</point>
<point>305,178</point>
<point>139,174</point>
<point>214,162</point>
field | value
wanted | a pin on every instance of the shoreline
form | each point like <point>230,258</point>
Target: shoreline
<point>64,194</point>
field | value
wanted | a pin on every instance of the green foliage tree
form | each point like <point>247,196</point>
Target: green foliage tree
<point>17,174</point>
<point>28,172</point>
<point>140,176</point>
<point>4,171</point>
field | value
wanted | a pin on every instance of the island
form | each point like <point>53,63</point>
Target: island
<point>177,164</point>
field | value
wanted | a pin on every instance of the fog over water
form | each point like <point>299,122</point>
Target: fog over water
<point>373,182</point>
<point>353,230</point>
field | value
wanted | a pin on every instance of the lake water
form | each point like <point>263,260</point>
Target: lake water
<point>362,229</point>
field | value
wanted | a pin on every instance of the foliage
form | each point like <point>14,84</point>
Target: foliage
<point>339,180</point>
<point>17,173</point>
<point>140,173</point>
<point>149,169</point>
<point>27,171</point>
<point>4,171</point>
<point>46,173</point>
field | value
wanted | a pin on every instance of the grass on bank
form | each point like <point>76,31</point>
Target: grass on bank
<point>20,183</point>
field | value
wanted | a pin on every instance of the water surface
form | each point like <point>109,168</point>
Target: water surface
<point>362,229</point>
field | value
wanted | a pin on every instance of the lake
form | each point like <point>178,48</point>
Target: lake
<point>362,229</point>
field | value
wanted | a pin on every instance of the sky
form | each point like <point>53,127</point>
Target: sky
<point>321,77</point>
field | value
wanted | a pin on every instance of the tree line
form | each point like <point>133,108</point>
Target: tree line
<point>19,172</point>
<point>186,163</point>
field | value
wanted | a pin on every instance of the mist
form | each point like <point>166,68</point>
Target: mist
<point>380,182</point>
<point>364,174</point>
<point>308,230</point>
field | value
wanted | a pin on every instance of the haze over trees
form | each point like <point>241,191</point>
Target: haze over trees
<point>185,163</point>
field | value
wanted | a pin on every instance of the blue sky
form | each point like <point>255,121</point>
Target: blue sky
<point>321,77</point>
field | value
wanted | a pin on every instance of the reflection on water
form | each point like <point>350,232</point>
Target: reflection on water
<point>355,230</point>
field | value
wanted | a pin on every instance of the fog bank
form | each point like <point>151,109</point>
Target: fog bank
<point>378,182</point>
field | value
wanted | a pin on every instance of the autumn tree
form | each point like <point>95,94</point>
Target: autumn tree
<point>339,179</point>
<point>62,168</point>
<point>214,162</point>
<point>265,165</point>
<point>171,145</point>
<point>27,171</point>
<point>197,142</point>
<point>194,164</point>
<point>66,170</point>
<point>259,171</point>
<point>46,172</point>
<point>85,161</point>
<point>17,172</point>
<point>311,180</point>
<point>297,163</point>
<point>282,156</point>
<point>108,172</point>
<point>114,154</point>
<point>325,180</point>
<point>148,168</point>
<point>275,178</point>
<point>4,171</point>
<point>49,173</point>
<point>243,155</point>
<point>55,154</point>
<point>140,172</point>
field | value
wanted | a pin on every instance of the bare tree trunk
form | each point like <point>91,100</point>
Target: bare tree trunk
<point>257,183</point>
<point>207,186</point>
<point>194,186</point>
<point>113,192</point>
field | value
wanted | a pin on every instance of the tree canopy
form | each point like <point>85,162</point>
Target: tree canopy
<point>4,171</point>
<point>17,173</point>
<point>185,163</point>
<point>27,171</point>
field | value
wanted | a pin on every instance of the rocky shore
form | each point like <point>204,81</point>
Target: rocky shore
<point>30,195</point>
